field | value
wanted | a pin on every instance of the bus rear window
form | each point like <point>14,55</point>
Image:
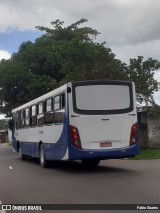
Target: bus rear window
<point>99,99</point>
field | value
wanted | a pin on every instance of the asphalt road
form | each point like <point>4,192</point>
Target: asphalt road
<point>112,182</point>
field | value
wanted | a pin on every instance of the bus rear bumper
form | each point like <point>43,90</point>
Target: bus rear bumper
<point>126,152</point>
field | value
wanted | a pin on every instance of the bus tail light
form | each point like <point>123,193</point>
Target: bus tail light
<point>134,134</point>
<point>75,139</point>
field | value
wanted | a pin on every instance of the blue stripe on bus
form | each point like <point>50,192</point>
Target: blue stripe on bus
<point>76,154</point>
<point>54,151</point>
<point>58,150</point>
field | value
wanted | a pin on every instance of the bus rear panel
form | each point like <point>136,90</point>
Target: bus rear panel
<point>104,118</point>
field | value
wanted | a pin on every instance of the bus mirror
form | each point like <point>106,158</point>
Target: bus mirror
<point>68,90</point>
<point>10,124</point>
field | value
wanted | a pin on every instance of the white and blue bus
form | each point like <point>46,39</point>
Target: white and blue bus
<point>88,121</point>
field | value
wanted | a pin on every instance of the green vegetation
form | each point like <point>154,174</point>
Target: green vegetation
<point>148,154</point>
<point>65,54</point>
<point>3,124</point>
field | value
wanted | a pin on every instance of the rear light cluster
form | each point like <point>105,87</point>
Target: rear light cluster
<point>75,139</point>
<point>134,134</point>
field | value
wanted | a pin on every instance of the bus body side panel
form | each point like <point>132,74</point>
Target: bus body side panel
<point>28,148</point>
<point>53,151</point>
<point>54,138</point>
<point>60,147</point>
<point>61,138</point>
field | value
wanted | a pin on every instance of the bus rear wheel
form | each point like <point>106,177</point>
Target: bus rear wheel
<point>21,155</point>
<point>90,162</point>
<point>42,157</point>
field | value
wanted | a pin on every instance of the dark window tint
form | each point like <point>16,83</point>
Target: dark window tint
<point>33,110</point>
<point>59,117</point>
<point>27,117</point>
<point>22,114</point>
<point>40,116</point>
<point>49,105</point>
<point>40,108</point>
<point>33,121</point>
<point>63,100</point>
<point>102,97</point>
<point>21,120</point>
<point>40,119</point>
<point>48,118</point>
<point>17,115</point>
<point>26,112</point>
<point>57,102</point>
<point>33,118</point>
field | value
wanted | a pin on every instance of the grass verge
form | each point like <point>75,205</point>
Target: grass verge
<point>148,154</point>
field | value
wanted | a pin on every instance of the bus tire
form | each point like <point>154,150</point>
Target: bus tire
<point>21,155</point>
<point>90,162</point>
<point>42,157</point>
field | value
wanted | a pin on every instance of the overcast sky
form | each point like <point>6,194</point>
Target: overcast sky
<point>129,27</point>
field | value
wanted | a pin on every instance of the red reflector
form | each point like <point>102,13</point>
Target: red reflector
<point>74,130</point>
<point>134,129</point>
<point>134,134</point>
<point>75,139</point>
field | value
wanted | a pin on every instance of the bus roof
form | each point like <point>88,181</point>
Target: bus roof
<point>62,88</point>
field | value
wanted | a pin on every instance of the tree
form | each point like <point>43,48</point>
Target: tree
<point>3,124</point>
<point>142,73</point>
<point>77,55</point>
<point>19,86</point>
<point>71,33</point>
<point>66,54</point>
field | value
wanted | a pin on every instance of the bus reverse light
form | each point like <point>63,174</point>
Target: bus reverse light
<point>134,134</point>
<point>75,138</point>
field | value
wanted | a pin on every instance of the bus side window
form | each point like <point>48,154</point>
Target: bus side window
<point>33,118</point>
<point>14,122</point>
<point>59,111</point>
<point>17,120</point>
<point>49,105</point>
<point>62,100</point>
<point>21,120</point>
<point>57,103</point>
<point>40,114</point>
<point>48,115</point>
<point>27,117</point>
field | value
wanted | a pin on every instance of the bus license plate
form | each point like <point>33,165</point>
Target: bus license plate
<point>106,144</point>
